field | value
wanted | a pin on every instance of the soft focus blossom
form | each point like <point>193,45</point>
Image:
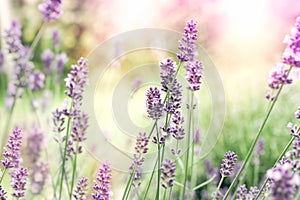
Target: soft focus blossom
<point>38,177</point>
<point>36,81</point>
<point>11,154</point>
<point>228,163</point>
<point>80,192</point>
<point>187,44</point>
<point>168,176</point>
<point>50,10</point>
<point>19,180</point>
<point>47,57</point>
<point>56,38</point>
<point>283,182</point>
<point>102,183</point>
<point>35,142</point>
<point>1,62</point>
<point>291,55</point>
<point>61,60</point>
<point>258,151</point>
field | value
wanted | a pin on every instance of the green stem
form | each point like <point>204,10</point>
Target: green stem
<point>165,194</point>
<point>37,39</point>
<point>2,176</point>
<point>149,183</point>
<point>170,193</point>
<point>218,188</point>
<point>256,171</point>
<point>74,171</point>
<point>280,156</point>
<point>204,183</point>
<point>158,166</point>
<point>188,147</point>
<point>255,140</point>
<point>64,157</point>
<point>128,184</point>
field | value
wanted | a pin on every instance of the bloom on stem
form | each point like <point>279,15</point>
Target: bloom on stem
<point>176,128</point>
<point>187,44</point>
<point>291,55</point>
<point>168,168</point>
<point>19,181</point>
<point>154,104</point>
<point>194,72</point>
<point>228,163</point>
<point>50,10</point>
<point>283,182</point>
<point>80,192</point>
<point>11,154</point>
<point>102,184</point>
<point>2,193</point>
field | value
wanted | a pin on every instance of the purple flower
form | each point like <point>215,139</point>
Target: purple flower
<point>80,192</point>
<point>297,113</point>
<point>11,152</point>
<point>283,182</point>
<point>167,73</point>
<point>1,62</point>
<point>34,144</point>
<point>80,125</point>
<point>175,98</point>
<point>141,143</point>
<point>253,192</point>
<point>291,55</point>
<point>154,104</point>
<point>278,76</point>
<point>36,81</point>
<point>168,176</point>
<point>13,37</point>
<point>295,152</point>
<point>228,163</point>
<point>176,127</point>
<point>50,10</point>
<point>58,119</point>
<point>258,151</point>
<point>187,45</point>
<point>19,180</point>
<point>2,193</point>
<point>194,72</point>
<point>76,81</point>
<point>102,184</point>
<point>56,38</point>
<point>61,60</point>
<point>47,58</point>
<point>294,130</point>
<point>38,177</point>
<point>242,192</point>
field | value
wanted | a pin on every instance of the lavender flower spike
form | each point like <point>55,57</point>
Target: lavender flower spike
<point>228,163</point>
<point>278,76</point>
<point>283,182</point>
<point>80,192</point>
<point>291,55</point>
<point>19,181</point>
<point>154,104</point>
<point>168,173</point>
<point>102,184</point>
<point>50,10</point>
<point>194,72</point>
<point>2,193</point>
<point>187,45</point>
<point>11,152</point>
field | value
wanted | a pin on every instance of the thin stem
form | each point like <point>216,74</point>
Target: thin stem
<point>64,157</point>
<point>188,147</point>
<point>37,39</point>
<point>2,176</point>
<point>128,183</point>
<point>165,194</point>
<point>149,183</point>
<point>170,193</point>
<point>204,183</point>
<point>74,170</point>
<point>280,156</point>
<point>256,171</point>
<point>158,166</point>
<point>255,140</point>
<point>218,188</point>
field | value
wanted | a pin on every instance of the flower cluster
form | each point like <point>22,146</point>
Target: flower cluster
<point>11,154</point>
<point>154,104</point>
<point>2,194</point>
<point>283,182</point>
<point>187,44</point>
<point>228,163</point>
<point>168,168</point>
<point>38,177</point>
<point>80,192</point>
<point>80,125</point>
<point>34,144</point>
<point>278,76</point>
<point>243,194</point>
<point>176,127</point>
<point>50,10</point>
<point>194,74</point>
<point>19,180</point>
<point>291,55</point>
<point>102,184</point>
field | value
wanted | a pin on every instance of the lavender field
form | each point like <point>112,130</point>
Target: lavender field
<point>149,100</point>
